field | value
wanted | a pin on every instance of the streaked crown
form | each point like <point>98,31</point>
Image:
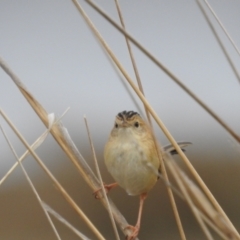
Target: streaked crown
<point>127,115</point>
<point>127,119</point>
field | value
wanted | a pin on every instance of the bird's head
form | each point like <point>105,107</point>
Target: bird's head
<point>128,122</point>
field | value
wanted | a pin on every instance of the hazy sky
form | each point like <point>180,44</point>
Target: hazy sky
<point>48,45</point>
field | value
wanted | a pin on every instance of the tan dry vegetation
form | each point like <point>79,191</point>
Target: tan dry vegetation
<point>58,192</point>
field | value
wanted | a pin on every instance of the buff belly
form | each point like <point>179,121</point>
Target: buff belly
<point>128,165</point>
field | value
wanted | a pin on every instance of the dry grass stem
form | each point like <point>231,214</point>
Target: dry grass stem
<point>167,150</point>
<point>170,185</point>
<point>212,225</point>
<point>202,203</point>
<point>221,228</point>
<point>31,185</point>
<point>222,26</point>
<point>171,196</point>
<point>206,207</point>
<point>56,131</point>
<point>198,201</point>
<point>64,221</point>
<point>119,218</point>
<point>34,146</point>
<point>132,59</point>
<point>172,201</point>
<point>64,140</point>
<point>188,199</point>
<point>58,185</point>
<point>101,181</point>
<point>147,105</point>
<point>165,69</point>
<point>153,113</point>
<point>219,41</point>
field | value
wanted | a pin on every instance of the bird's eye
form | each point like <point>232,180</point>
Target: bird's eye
<point>136,124</point>
<point>116,125</point>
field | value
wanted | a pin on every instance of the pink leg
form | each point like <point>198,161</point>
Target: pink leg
<point>135,229</point>
<point>107,187</point>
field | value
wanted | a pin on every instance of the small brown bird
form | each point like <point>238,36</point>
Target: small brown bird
<point>131,158</point>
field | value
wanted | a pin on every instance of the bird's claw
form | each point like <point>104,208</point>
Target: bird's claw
<point>98,194</point>
<point>134,232</point>
<point>107,188</point>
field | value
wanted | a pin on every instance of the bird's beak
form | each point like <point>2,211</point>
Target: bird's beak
<point>124,124</point>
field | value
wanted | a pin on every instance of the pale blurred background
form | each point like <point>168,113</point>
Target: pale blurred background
<point>50,48</point>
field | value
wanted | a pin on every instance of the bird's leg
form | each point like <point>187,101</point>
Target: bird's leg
<point>135,229</point>
<point>107,188</point>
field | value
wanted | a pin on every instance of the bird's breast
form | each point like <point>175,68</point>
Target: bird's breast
<point>128,163</point>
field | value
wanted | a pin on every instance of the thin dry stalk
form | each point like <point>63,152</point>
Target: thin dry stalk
<point>57,130</point>
<point>171,196</point>
<point>101,181</point>
<point>212,225</point>
<point>64,221</point>
<point>223,232</point>
<point>177,192</point>
<point>173,204</point>
<point>222,26</point>
<point>188,198</point>
<point>165,69</point>
<point>206,207</point>
<point>132,58</point>
<point>170,185</point>
<point>153,113</point>
<point>31,185</point>
<point>34,146</point>
<point>64,140</point>
<point>167,149</point>
<point>219,41</point>
<point>59,186</point>
<point>201,203</point>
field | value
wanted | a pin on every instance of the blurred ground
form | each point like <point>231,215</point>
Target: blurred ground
<point>22,218</point>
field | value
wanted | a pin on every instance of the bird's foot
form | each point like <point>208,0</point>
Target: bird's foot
<point>134,232</point>
<point>107,187</point>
